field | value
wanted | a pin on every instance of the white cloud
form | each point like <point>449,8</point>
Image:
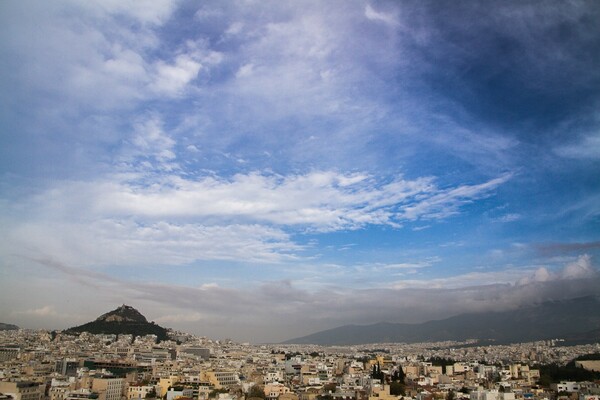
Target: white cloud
<point>475,278</point>
<point>373,15</point>
<point>321,200</point>
<point>151,140</point>
<point>487,150</point>
<point>101,60</point>
<point>586,148</point>
<point>509,217</point>
<point>541,275</point>
<point>137,219</point>
<point>145,11</point>
<point>294,64</point>
<point>235,28</point>
<point>172,79</point>
<point>178,318</point>
<point>414,265</point>
<point>245,71</point>
<point>207,286</point>
<point>124,242</point>
<point>45,311</point>
<point>443,204</point>
<point>581,268</point>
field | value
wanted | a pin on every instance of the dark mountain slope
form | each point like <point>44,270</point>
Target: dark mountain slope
<point>576,319</point>
<point>8,327</point>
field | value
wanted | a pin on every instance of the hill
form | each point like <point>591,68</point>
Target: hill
<point>576,320</point>
<point>123,320</point>
<point>8,327</point>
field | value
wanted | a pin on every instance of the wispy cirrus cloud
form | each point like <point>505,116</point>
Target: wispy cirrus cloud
<point>126,242</point>
<point>508,217</point>
<point>104,64</point>
<point>248,217</point>
<point>447,202</point>
<point>374,15</point>
<point>320,200</point>
<point>587,148</point>
<point>428,262</point>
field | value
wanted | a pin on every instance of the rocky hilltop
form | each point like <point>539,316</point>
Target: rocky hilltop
<point>123,320</point>
<point>124,313</point>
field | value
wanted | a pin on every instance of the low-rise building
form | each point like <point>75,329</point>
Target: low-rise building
<point>220,379</point>
<point>109,388</point>
<point>24,390</point>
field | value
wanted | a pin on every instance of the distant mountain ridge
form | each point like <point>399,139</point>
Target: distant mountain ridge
<point>577,320</point>
<point>8,327</point>
<point>123,320</point>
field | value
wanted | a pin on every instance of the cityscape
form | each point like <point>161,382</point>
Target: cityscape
<point>299,200</point>
<point>40,365</point>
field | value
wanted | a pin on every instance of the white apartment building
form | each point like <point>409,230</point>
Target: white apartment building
<point>273,376</point>
<point>566,386</point>
<point>491,395</point>
<point>173,394</point>
<point>135,392</point>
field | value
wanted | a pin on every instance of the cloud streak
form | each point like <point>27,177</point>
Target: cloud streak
<point>252,306</point>
<point>559,248</point>
<point>177,220</point>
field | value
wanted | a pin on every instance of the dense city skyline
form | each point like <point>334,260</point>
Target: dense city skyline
<point>265,170</point>
<point>111,367</point>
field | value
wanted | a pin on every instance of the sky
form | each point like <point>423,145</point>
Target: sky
<point>262,170</point>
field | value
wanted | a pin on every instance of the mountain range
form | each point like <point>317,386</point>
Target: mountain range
<point>123,320</point>
<point>576,320</point>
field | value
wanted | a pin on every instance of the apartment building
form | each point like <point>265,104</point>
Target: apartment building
<point>109,388</point>
<point>24,390</point>
<point>220,379</point>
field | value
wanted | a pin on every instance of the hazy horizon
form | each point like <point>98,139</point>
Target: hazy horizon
<point>265,170</point>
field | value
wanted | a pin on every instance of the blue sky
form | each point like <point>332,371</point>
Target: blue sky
<point>264,170</point>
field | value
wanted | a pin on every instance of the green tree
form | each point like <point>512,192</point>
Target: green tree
<point>569,372</point>
<point>545,380</point>
<point>397,389</point>
<point>591,356</point>
<point>377,373</point>
<point>329,387</point>
<point>256,391</point>
<point>398,375</point>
